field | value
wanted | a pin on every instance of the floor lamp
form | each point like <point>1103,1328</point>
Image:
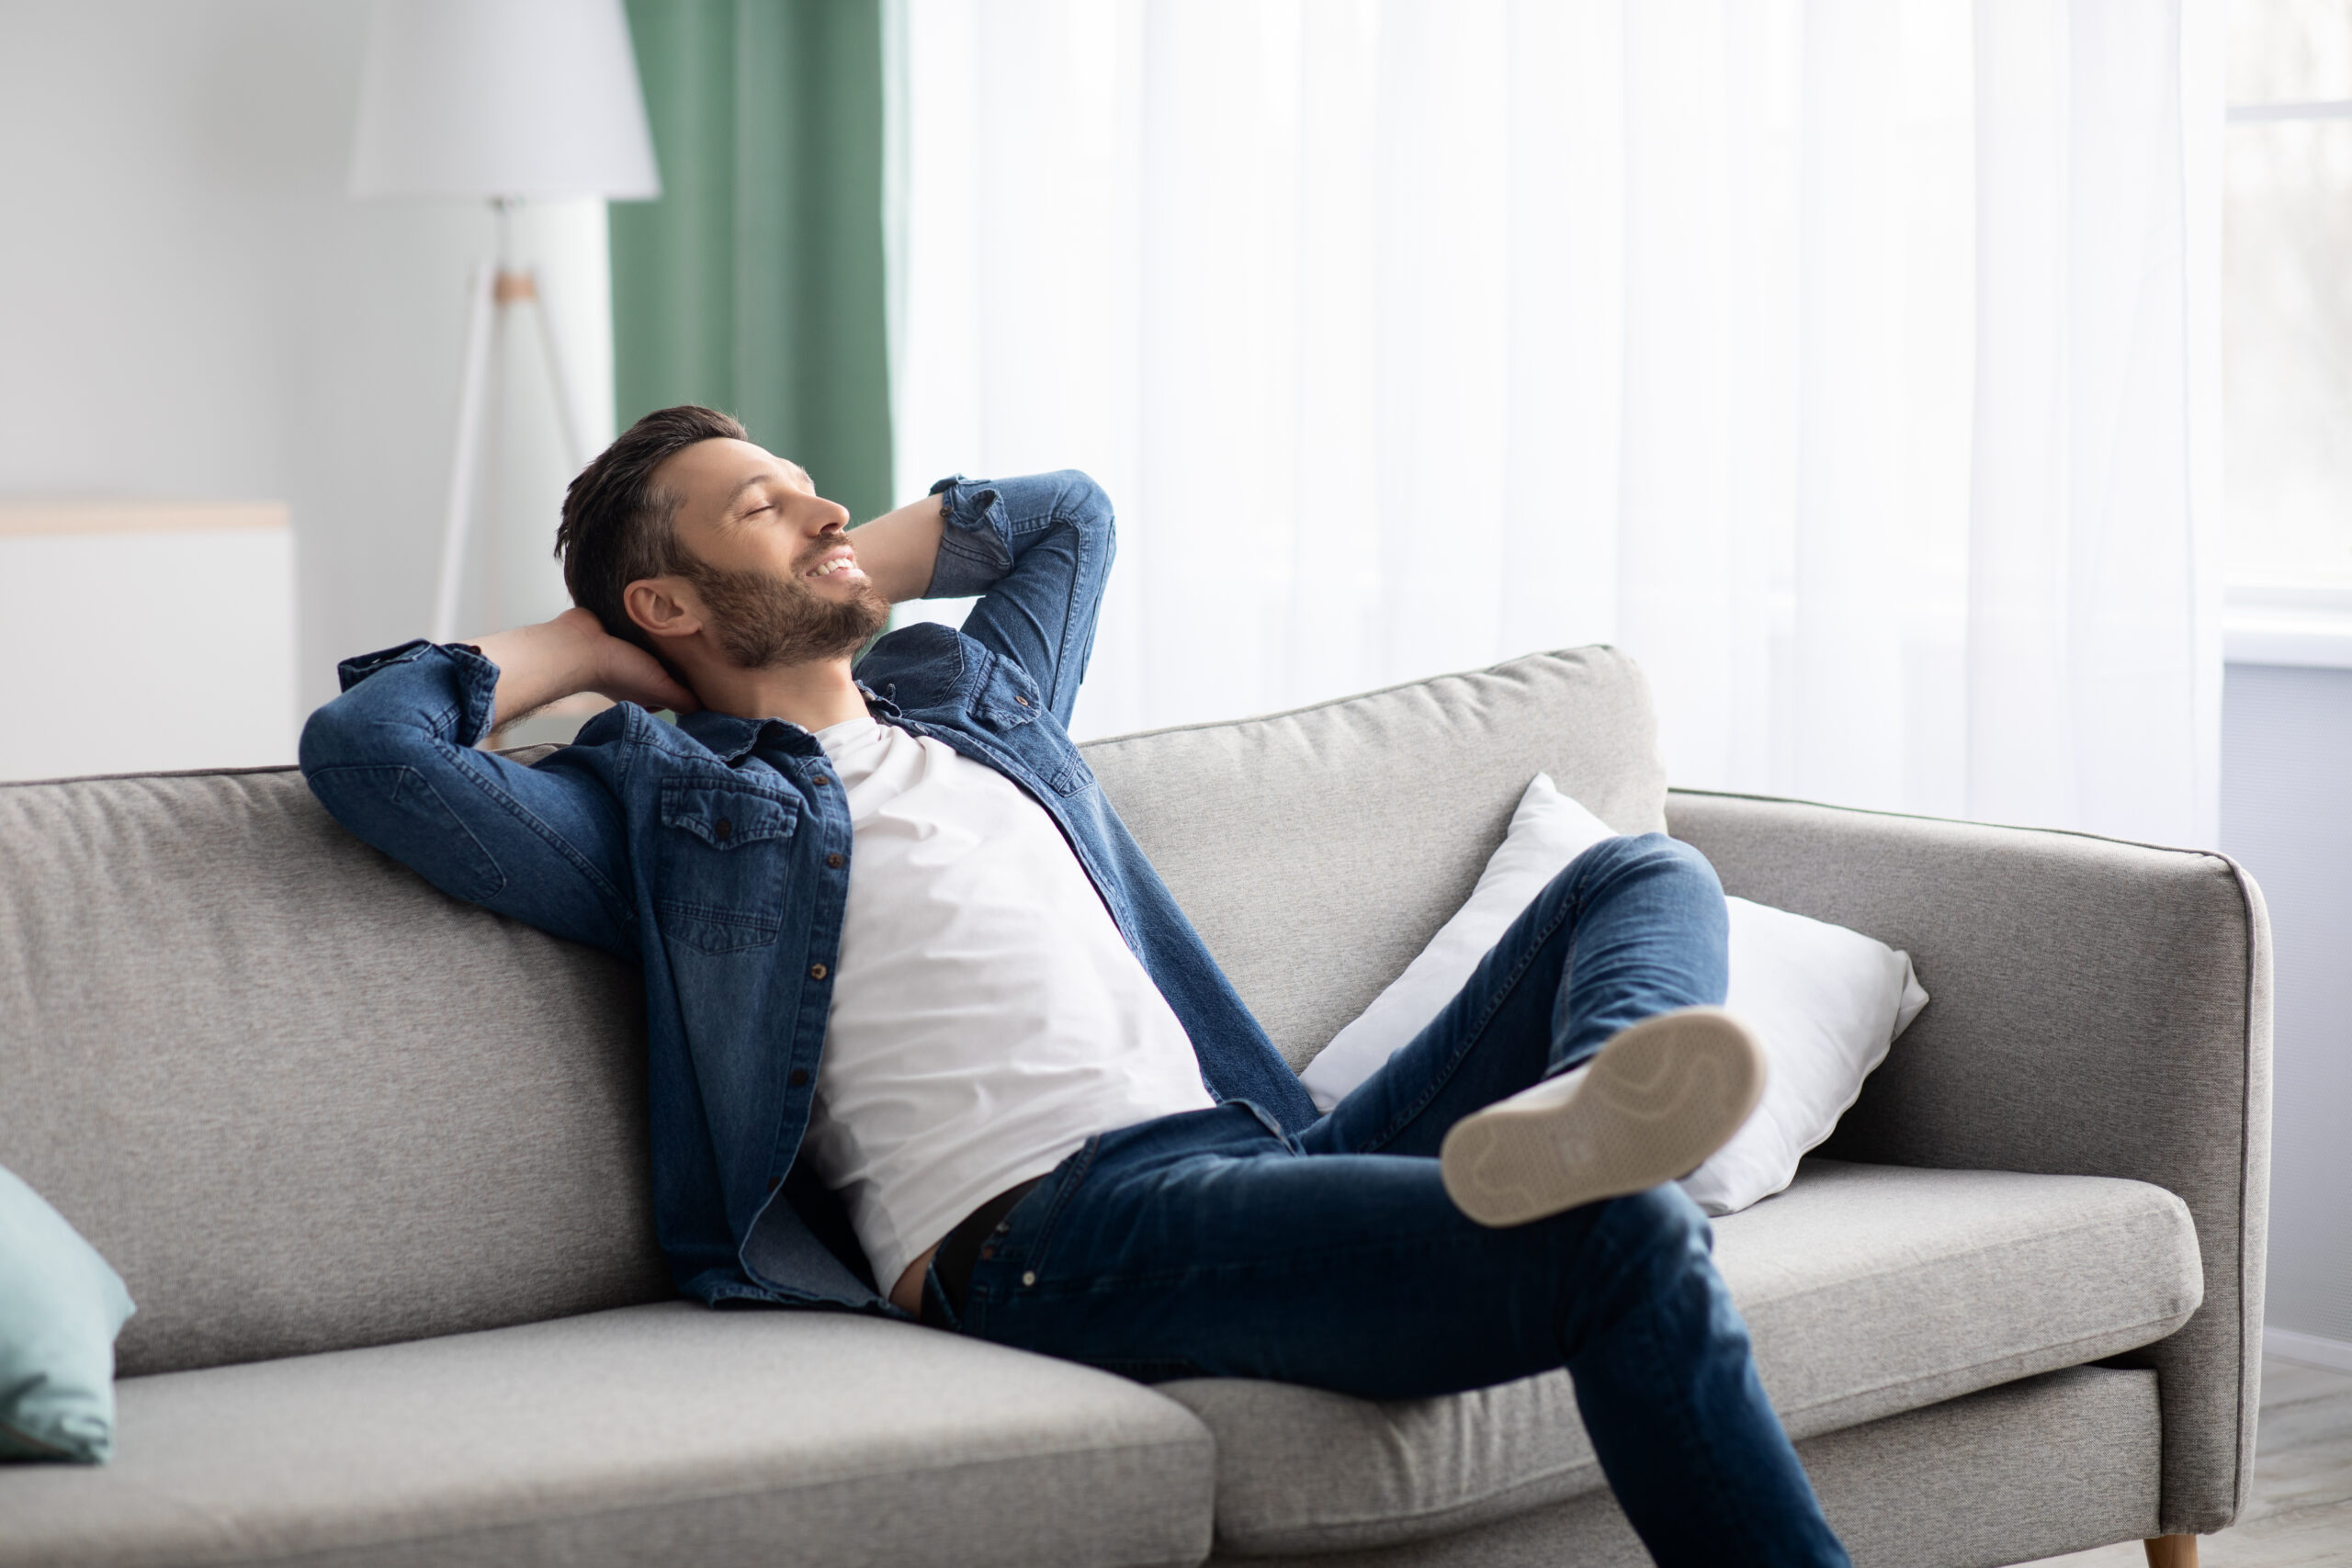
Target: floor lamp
<point>503,101</point>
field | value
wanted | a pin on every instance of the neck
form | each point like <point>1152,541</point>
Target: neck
<point>812,695</point>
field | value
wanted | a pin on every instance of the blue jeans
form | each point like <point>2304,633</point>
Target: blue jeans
<point>1209,1243</point>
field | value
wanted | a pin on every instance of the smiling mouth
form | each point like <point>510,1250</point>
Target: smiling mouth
<point>834,566</point>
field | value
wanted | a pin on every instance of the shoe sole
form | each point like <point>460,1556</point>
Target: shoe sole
<point>1655,1102</point>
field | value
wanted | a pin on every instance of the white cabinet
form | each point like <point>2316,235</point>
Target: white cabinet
<point>137,635</point>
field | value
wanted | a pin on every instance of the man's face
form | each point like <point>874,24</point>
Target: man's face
<point>774,575</point>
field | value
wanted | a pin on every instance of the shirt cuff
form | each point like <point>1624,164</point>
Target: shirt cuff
<point>975,545</point>
<point>465,673</point>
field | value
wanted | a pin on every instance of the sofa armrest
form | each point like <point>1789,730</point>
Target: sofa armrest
<point>2100,1007</point>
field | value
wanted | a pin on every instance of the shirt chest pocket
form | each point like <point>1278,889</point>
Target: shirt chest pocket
<point>722,863</point>
<point>1010,703</point>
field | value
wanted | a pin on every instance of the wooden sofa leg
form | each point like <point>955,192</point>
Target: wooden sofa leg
<point>2172,1550</point>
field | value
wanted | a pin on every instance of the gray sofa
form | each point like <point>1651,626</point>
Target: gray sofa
<point>373,1163</point>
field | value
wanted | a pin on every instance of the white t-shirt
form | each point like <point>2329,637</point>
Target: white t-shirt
<point>988,1017</point>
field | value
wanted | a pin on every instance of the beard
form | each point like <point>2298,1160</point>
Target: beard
<point>761,620</point>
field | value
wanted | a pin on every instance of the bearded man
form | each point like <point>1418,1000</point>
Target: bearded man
<point>929,1038</point>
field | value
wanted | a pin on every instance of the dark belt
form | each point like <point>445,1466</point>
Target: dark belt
<point>957,1255</point>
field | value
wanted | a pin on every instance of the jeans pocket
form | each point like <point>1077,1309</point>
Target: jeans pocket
<point>1011,1263</point>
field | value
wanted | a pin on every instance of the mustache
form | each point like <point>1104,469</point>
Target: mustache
<point>818,551</point>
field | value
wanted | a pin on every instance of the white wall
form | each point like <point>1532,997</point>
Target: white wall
<point>191,307</point>
<point>2286,815</point>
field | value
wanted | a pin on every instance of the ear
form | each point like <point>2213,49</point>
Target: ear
<point>663,606</point>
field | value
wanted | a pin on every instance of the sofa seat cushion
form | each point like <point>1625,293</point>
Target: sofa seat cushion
<point>1868,1290</point>
<point>656,1434</point>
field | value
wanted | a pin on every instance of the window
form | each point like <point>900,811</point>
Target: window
<point>2287,332</point>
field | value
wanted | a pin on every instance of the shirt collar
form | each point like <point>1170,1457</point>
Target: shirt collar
<point>734,738</point>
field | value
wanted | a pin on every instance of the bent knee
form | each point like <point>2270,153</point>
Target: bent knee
<point>1661,1226</point>
<point>1653,852</point>
<point>1640,854</point>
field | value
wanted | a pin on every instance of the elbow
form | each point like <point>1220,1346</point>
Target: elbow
<point>1086,503</point>
<point>340,735</point>
<point>326,739</point>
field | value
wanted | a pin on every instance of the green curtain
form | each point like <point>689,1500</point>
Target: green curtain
<point>755,284</point>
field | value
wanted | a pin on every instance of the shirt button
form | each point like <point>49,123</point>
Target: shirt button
<point>820,780</point>
<point>1022,700</point>
<point>722,828</point>
<point>799,1076</point>
<point>1029,1276</point>
<point>835,861</point>
<point>816,971</point>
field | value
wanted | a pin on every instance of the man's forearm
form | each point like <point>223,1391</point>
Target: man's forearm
<point>536,665</point>
<point>898,549</point>
<point>546,663</point>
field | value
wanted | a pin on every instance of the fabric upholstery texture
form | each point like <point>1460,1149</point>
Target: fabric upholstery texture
<point>299,1099</point>
<point>1868,1290</point>
<point>1316,852</point>
<point>2051,1464</point>
<point>2100,1007</point>
<point>656,1434</point>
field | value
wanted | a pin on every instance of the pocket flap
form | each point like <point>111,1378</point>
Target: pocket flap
<point>1008,697</point>
<point>724,815</point>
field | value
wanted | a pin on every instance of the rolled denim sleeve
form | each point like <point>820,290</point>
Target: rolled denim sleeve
<point>975,548</point>
<point>392,761</point>
<point>475,677</point>
<point>1039,551</point>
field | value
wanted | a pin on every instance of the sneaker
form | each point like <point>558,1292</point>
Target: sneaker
<point>1650,1106</point>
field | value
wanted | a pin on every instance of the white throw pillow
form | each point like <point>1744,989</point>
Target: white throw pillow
<point>1826,1002</point>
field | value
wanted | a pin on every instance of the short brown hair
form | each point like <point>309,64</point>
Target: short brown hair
<point>618,525</point>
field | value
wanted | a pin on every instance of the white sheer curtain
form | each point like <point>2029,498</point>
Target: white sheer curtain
<point>1850,362</point>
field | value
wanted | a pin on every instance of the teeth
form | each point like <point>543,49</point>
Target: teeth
<point>830,567</point>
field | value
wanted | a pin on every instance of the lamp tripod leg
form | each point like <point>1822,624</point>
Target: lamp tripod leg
<point>567,412</point>
<point>471,398</point>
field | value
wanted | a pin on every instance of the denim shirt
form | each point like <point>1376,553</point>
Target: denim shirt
<point>715,852</point>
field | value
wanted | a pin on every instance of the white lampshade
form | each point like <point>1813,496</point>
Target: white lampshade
<point>502,97</point>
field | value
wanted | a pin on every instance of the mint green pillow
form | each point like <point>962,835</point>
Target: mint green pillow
<point>61,1307</point>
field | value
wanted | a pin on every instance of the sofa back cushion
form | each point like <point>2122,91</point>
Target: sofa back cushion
<point>299,1099</point>
<point>1318,851</point>
<point>303,1101</point>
